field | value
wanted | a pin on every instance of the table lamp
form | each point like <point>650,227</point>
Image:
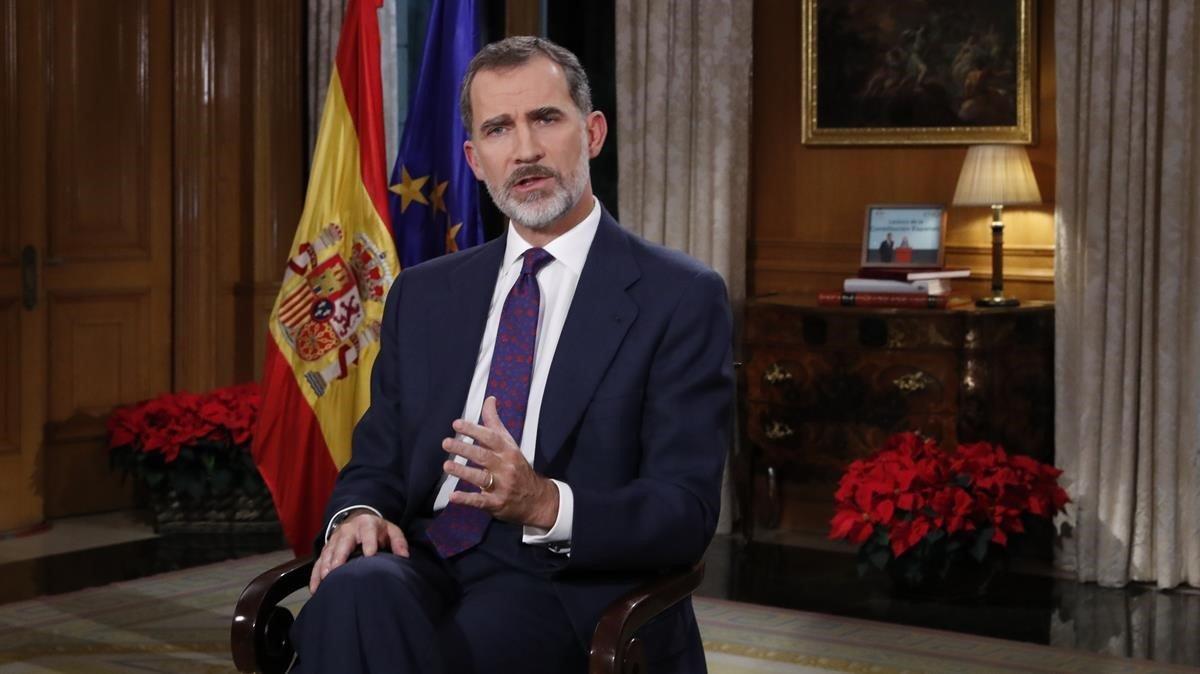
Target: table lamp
<point>997,176</point>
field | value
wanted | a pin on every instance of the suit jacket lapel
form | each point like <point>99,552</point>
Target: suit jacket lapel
<point>455,329</point>
<point>601,313</point>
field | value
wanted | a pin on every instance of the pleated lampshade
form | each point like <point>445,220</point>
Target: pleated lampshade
<point>996,175</point>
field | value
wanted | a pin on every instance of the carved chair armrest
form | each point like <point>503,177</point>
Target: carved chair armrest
<point>259,634</point>
<point>260,641</point>
<point>615,650</point>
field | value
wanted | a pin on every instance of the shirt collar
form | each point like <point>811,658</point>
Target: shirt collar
<point>571,248</point>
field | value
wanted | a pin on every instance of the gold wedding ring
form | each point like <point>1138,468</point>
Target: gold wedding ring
<point>491,480</point>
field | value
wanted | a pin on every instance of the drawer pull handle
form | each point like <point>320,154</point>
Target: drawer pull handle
<point>912,382</point>
<point>776,375</point>
<point>776,430</point>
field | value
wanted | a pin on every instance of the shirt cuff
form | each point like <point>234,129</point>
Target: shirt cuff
<point>342,514</point>
<point>561,531</point>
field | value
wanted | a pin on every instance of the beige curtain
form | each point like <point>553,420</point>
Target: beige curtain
<point>683,131</point>
<point>323,26</point>
<point>683,127</point>
<point>1128,269</point>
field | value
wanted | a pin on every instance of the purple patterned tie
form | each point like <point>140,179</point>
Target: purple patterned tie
<point>458,527</point>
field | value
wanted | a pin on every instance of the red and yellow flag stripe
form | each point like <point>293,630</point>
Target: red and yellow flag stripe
<point>324,327</point>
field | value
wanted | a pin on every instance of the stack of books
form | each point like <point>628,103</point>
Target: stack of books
<point>883,287</point>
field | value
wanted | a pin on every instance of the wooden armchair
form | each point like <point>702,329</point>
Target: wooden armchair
<point>260,641</point>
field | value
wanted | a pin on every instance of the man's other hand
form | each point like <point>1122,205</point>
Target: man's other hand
<point>509,487</point>
<point>363,528</point>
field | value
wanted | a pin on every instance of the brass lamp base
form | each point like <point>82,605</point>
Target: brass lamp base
<point>997,301</point>
<point>997,298</point>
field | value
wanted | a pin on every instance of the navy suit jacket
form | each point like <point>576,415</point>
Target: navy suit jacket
<point>636,414</point>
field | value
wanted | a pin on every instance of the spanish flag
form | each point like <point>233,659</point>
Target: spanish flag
<point>324,328</point>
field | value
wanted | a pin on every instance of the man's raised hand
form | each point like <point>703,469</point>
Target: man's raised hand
<point>509,488</point>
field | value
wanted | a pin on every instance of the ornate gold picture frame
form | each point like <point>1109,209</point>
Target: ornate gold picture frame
<point>918,72</point>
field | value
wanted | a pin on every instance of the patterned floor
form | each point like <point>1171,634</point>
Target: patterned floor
<point>178,622</point>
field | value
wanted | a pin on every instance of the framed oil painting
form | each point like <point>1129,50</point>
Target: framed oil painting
<point>904,235</point>
<point>916,72</point>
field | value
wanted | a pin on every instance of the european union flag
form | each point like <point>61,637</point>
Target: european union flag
<point>433,199</point>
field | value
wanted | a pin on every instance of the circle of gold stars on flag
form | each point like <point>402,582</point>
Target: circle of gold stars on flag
<point>410,189</point>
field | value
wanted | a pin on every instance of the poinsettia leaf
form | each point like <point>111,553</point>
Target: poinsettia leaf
<point>221,480</point>
<point>944,567</point>
<point>980,549</point>
<point>935,535</point>
<point>195,489</point>
<point>880,557</point>
<point>188,481</point>
<point>913,571</point>
<point>881,537</point>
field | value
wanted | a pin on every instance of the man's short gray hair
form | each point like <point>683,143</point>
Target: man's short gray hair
<point>517,51</point>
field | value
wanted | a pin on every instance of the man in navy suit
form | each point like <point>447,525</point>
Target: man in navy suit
<point>501,501</point>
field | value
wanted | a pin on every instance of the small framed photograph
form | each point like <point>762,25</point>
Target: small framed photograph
<point>904,235</point>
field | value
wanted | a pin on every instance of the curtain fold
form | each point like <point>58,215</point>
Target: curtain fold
<point>1127,357</point>
<point>683,119</point>
<point>323,24</point>
<point>683,111</point>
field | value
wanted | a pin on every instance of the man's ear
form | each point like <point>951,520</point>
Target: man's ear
<point>597,131</point>
<point>472,160</point>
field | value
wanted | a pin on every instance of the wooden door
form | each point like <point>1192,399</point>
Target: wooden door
<point>93,83</point>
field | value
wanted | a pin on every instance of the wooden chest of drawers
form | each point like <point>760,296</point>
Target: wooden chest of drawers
<point>822,386</point>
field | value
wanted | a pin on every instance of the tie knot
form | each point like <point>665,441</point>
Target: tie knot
<point>535,259</point>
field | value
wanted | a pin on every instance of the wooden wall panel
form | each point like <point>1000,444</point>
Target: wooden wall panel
<point>10,377</point>
<point>808,202</point>
<point>522,17</point>
<point>22,213</point>
<point>278,169</point>
<point>10,273</point>
<point>97,345</point>
<point>98,141</point>
<point>195,172</point>
<point>231,182</point>
<point>9,157</point>
<point>240,175</point>
<point>106,95</point>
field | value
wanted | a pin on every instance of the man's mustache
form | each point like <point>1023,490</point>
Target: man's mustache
<point>530,171</point>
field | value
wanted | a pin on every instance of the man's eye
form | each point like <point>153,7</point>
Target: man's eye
<point>494,131</point>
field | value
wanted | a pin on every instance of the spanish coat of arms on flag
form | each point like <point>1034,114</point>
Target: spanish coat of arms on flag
<point>324,328</point>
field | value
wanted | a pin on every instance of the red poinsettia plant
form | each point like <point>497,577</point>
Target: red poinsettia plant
<point>192,443</point>
<point>914,508</point>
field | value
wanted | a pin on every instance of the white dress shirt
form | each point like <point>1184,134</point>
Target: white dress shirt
<point>556,281</point>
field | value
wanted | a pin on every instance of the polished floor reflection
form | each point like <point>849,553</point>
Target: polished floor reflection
<point>1136,621</point>
<point>96,550</point>
<point>1034,607</point>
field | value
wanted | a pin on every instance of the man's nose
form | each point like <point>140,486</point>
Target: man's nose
<point>529,150</point>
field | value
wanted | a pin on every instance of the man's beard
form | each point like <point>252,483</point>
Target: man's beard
<point>537,210</point>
